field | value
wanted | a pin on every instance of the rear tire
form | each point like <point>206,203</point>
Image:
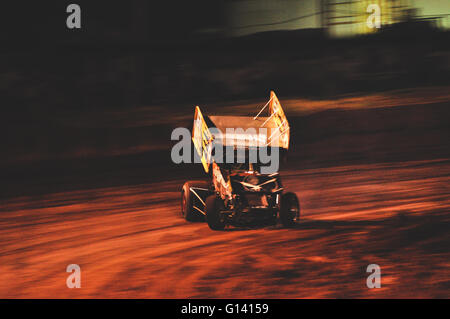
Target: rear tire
<point>188,199</point>
<point>213,216</point>
<point>289,209</point>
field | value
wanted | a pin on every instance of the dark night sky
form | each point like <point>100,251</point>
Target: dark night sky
<point>163,21</point>
<point>45,21</point>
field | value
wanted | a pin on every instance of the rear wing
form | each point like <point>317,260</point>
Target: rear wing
<point>276,123</point>
<point>202,138</point>
<point>276,112</point>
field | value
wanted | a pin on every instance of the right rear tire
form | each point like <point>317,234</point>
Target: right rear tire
<point>214,218</point>
<point>289,209</point>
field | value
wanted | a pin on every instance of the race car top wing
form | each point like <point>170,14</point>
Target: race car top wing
<point>202,138</point>
<point>277,113</point>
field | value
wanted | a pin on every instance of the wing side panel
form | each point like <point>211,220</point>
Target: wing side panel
<point>202,138</point>
<point>277,113</point>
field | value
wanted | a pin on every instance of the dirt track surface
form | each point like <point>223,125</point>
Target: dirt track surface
<point>131,241</point>
<point>374,186</point>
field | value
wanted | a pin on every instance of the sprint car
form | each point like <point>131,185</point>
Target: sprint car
<point>241,191</point>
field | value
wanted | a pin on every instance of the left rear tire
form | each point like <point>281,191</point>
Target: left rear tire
<point>214,218</point>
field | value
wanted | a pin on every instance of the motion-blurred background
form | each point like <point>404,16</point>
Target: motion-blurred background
<point>171,54</point>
